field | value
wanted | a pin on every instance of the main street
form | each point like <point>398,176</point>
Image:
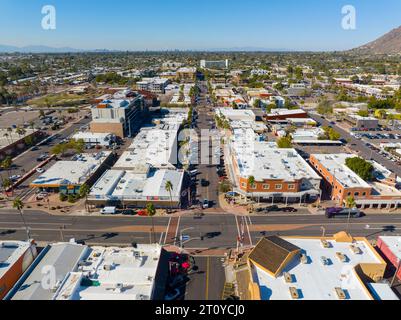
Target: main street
<point>213,231</point>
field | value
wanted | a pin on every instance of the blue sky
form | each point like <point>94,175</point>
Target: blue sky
<point>196,24</point>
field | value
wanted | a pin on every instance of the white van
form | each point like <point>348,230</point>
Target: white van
<point>108,210</point>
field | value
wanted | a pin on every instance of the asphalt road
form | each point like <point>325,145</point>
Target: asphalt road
<point>219,231</point>
<point>206,171</point>
<point>359,146</point>
<point>207,283</point>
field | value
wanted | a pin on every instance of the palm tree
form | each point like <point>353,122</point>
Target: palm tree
<point>19,205</point>
<point>150,208</point>
<point>83,193</point>
<point>169,187</point>
<point>350,204</point>
<point>251,183</point>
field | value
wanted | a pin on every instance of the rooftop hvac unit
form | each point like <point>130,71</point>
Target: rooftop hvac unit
<point>355,249</point>
<point>304,258</point>
<point>137,254</point>
<point>294,293</point>
<point>107,267</point>
<point>324,261</point>
<point>288,277</point>
<point>340,293</point>
<point>325,244</point>
<point>341,257</point>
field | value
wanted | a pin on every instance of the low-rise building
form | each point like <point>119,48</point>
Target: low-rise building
<point>186,74</point>
<point>380,193</point>
<point>362,123</point>
<point>307,268</point>
<point>155,85</point>
<point>220,64</point>
<point>390,247</point>
<point>68,176</point>
<point>80,272</point>
<point>284,114</point>
<point>102,139</point>
<point>137,187</point>
<point>15,258</point>
<point>279,174</point>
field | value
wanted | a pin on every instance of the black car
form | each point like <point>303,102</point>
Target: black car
<point>128,212</point>
<point>204,183</point>
<point>272,208</point>
<point>289,209</point>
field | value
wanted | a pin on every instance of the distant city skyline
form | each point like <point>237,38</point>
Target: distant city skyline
<point>310,25</point>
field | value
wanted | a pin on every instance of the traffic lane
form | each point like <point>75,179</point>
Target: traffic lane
<point>357,230</point>
<point>93,222</point>
<point>364,150</point>
<point>216,231</point>
<point>90,238</point>
<point>207,282</point>
<point>320,218</point>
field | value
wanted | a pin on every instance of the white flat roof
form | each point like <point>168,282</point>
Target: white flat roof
<point>151,146</point>
<point>314,280</point>
<point>10,252</point>
<point>394,243</point>
<point>282,111</point>
<point>114,274</point>
<point>119,184</point>
<point>335,164</point>
<point>264,161</point>
<point>72,172</point>
<point>236,114</point>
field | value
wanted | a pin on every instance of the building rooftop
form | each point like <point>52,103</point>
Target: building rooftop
<point>323,270</point>
<point>73,172</point>
<point>128,185</point>
<point>335,164</point>
<point>236,114</point>
<point>264,161</point>
<point>394,243</point>
<point>113,104</point>
<point>151,146</point>
<point>283,111</point>
<point>10,252</point>
<point>63,257</point>
<point>114,274</point>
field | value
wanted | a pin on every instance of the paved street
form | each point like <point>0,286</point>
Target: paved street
<point>219,231</point>
<point>207,282</point>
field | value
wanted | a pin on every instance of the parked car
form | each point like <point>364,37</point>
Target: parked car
<point>15,177</point>
<point>272,208</point>
<point>289,209</point>
<point>40,170</point>
<point>128,212</point>
<point>108,210</point>
<point>41,196</point>
<point>205,204</point>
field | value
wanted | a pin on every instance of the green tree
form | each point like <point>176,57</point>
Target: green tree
<point>284,142</point>
<point>151,210</point>
<point>169,188</point>
<point>361,167</point>
<point>19,205</point>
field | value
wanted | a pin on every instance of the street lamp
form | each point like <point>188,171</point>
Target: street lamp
<point>323,231</point>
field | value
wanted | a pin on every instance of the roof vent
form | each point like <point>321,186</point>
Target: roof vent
<point>340,293</point>
<point>341,257</point>
<point>294,293</point>
<point>325,244</point>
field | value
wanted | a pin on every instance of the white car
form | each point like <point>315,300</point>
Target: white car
<point>15,177</point>
<point>40,170</point>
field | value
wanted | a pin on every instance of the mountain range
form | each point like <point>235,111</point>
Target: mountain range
<point>390,43</point>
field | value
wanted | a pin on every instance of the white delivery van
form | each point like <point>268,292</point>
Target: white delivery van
<point>108,210</point>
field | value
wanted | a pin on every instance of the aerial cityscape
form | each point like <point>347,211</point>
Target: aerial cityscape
<point>221,171</point>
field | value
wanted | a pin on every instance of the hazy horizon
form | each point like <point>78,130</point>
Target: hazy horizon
<point>123,25</point>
